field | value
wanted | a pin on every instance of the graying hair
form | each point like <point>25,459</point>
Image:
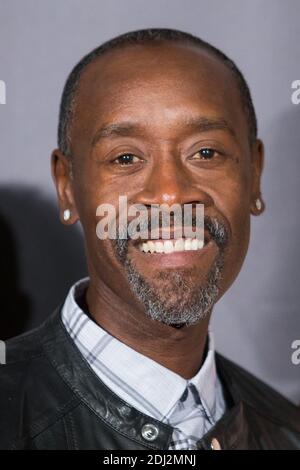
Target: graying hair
<point>194,304</point>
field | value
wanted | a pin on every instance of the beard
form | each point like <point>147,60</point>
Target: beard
<point>173,297</point>
<point>177,301</point>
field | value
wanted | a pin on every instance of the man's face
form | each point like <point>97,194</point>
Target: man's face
<point>180,136</point>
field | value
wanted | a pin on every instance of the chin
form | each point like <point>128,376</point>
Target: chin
<point>175,297</point>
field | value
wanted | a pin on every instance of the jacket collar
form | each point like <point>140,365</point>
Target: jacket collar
<point>144,383</point>
<point>231,430</point>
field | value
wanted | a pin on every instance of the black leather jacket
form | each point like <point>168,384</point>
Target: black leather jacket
<point>51,399</point>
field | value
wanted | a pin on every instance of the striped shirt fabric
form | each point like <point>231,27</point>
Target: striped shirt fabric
<point>190,406</point>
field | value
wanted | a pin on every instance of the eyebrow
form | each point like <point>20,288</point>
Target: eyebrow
<point>128,128</point>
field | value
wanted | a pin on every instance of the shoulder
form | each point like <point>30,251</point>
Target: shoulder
<point>23,354</point>
<point>262,398</point>
<point>28,384</point>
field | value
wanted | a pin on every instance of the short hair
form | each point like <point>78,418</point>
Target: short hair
<point>145,36</point>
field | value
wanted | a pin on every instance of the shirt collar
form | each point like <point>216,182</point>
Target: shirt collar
<point>129,373</point>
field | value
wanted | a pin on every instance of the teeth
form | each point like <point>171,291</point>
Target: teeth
<point>151,247</point>
<point>179,245</point>
<point>158,247</point>
<point>188,244</point>
<point>194,244</point>
<point>200,244</point>
<point>169,246</point>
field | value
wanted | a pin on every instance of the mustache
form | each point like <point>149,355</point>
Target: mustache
<point>216,229</point>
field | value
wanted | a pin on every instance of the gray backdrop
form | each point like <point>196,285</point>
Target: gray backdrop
<point>40,40</point>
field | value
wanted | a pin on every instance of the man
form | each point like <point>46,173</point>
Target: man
<point>127,361</point>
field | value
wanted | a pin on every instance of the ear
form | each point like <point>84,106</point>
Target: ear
<point>61,168</point>
<point>257,204</point>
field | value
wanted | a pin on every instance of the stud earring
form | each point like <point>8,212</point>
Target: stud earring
<point>258,204</point>
<point>67,214</point>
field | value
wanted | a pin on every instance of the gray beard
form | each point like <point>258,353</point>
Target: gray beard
<point>177,303</point>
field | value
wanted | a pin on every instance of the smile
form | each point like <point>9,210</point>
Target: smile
<point>171,246</point>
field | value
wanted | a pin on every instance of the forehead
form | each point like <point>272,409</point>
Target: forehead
<point>160,86</point>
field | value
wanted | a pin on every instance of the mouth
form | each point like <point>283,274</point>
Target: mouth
<point>171,246</point>
<point>174,253</point>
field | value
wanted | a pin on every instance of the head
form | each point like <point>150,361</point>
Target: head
<point>161,117</point>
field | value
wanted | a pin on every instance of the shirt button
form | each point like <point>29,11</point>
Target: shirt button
<point>215,444</point>
<point>150,432</point>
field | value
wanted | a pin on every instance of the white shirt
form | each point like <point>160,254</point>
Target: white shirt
<point>191,406</point>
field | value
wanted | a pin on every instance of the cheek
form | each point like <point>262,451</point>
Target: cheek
<point>232,200</point>
<point>239,215</point>
<point>241,233</point>
<point>235,257</point>
<point>239,220</point>
<point>232,193</point>
<point>92,188</point>
<point>240,212</point>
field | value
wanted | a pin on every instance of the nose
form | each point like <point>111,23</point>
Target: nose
<point>170,182</point>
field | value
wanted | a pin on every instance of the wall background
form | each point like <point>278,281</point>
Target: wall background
<point>40,41</point>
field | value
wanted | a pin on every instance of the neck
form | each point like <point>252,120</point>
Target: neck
<point>178,349</point>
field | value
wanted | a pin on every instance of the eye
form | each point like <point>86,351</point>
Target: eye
<point>205,154</point>
<point>126,159</point>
